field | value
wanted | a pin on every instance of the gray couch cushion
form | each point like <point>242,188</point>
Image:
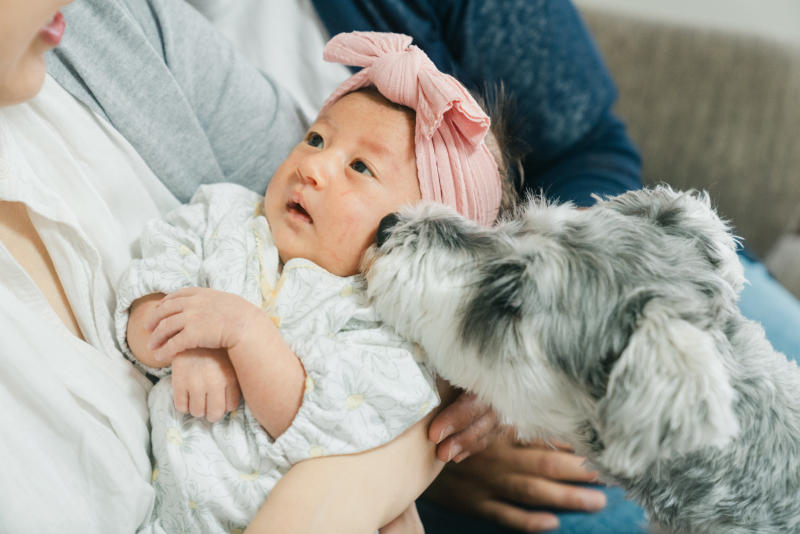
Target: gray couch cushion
<point>711,110</point>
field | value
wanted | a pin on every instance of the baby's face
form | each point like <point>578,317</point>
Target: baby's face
<point>355,165</point>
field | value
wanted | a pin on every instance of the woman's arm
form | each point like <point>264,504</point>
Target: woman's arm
<point>199,113</point>
<point>321,495</point>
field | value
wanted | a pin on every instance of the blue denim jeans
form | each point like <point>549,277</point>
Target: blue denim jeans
<point>778,311</point>
<point>763,300</point>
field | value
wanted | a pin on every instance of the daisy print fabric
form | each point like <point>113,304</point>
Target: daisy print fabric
<point>364,384</point>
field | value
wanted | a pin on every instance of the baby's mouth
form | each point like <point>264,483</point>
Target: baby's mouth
<point>298,210</point>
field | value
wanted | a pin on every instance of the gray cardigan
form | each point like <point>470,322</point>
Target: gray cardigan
<point>194,109</point>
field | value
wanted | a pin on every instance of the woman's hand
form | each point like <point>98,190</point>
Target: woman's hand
<point>204,383</point>
<point>198,317</point>
<point>463,427</point>
<point>508,477</point>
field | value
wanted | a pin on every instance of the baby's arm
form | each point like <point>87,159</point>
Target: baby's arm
<point>271,377</point>
<point>174,252</point>
<point>204,382</point>
<point>363,386</point>
<point>141,313</point>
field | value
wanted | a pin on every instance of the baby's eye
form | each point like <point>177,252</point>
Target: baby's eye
<point>360,166</point>
<point>314,139</point>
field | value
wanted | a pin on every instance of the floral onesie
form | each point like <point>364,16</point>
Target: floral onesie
<point>364,384</point>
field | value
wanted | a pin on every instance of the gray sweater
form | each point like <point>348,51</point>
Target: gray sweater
<point>191,106</point>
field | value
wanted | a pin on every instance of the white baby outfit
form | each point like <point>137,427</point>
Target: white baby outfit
<point>364,385</point>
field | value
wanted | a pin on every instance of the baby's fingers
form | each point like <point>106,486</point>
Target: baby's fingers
<point>215,404</point>
<point>197,404</point>
<point>167,306</point>
<point>174,345</point>
<point>184,292</point>
<point>233,396</point>
<point>167,328</point>
<point>180,397</point>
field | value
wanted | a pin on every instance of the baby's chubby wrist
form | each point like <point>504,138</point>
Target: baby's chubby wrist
<point>253,323</point>
<point>254,328</point>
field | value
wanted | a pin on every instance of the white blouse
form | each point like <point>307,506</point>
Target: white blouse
<point>74,414</point>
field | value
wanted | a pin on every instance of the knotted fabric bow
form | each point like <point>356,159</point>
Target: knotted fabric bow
<point>454,165</point>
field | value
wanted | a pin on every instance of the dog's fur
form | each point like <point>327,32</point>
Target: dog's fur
<point>615,329</point>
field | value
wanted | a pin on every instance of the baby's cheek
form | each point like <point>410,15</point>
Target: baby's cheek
<point>358,235</point>
<point>355,230</point>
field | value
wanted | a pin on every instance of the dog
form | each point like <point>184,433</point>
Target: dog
<point>616,329</point>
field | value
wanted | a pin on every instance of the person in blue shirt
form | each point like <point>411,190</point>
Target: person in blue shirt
<point>562,97</point>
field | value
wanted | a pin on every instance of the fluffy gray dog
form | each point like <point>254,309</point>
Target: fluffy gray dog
<point>615,329</point>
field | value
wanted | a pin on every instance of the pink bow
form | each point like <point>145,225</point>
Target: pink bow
<point>454,166</point>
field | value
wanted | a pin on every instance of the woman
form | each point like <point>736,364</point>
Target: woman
<point>73,196</point>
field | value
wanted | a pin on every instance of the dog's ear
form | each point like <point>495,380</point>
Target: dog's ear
<point>688,214</point>
<point>668,394</point>
<point>691,214</point>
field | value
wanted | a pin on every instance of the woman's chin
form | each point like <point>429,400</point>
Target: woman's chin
<point>24,83</point>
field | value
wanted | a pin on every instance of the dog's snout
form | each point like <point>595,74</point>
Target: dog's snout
<point>385,228</point>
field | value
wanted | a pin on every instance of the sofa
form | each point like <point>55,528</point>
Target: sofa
<point>718,111</point>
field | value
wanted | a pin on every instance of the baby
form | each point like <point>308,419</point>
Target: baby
<point>264,293</point>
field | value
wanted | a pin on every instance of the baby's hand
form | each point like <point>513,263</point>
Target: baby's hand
<point>204,383</point>
<point>198,318</point>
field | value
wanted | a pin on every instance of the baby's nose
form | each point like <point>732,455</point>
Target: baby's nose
<point>317,169</point>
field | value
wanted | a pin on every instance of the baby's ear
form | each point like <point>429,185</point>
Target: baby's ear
<point>668,394</point>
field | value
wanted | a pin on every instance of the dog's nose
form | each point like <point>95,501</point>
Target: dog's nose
<point>385,228</point>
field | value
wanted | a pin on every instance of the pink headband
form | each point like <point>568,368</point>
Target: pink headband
<point>454,166</point>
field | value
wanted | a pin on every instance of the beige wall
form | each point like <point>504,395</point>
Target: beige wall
<point>777,19</point>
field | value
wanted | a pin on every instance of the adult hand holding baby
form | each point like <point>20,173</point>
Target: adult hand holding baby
<point>508,479</point>
<point>495,476</point>
<point>464,427</point>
